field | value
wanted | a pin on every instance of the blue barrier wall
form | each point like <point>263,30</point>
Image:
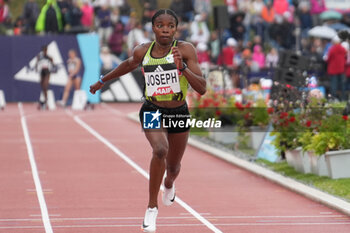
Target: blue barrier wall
<point>20,81</point>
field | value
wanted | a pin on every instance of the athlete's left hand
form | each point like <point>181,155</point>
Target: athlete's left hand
<point>177,57</point>
<point>95,87</point>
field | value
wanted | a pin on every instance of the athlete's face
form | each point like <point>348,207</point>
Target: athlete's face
<point>71,54</point>
<point>164,29</point>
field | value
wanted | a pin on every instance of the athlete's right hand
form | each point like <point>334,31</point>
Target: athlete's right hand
<point>95,87</point>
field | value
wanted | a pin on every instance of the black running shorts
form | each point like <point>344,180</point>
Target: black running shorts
<point>174,120</point>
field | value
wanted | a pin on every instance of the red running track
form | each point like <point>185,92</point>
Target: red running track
<point>87,187</point>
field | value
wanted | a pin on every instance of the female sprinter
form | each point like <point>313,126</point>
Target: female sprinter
<point>74,77</point>
<point>44,63</point>
<point>168,67</point>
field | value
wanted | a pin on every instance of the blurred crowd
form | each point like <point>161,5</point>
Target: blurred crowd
<point>257,30</point>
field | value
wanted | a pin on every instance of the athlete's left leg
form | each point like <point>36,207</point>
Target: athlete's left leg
<point>177,146</point>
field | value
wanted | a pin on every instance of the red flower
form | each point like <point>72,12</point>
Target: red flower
<point>248,105</point>
<point>247,116</point>
<point>288,86</point>
<point>308,123</point>
<point>270,110</point>
<point>345,117</point>
<point>283,115</point>
<point>292,119</point>
<point>239,106</point>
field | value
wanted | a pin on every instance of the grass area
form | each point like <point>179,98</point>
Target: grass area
<point>336,187</point>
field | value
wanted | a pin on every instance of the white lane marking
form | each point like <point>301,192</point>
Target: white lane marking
<point>143,172</point>
<point>183,225</point>
<point>38,187</point>
<point>328,217</point>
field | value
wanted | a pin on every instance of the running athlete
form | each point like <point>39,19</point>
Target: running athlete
<point>74,77</point>
<point>168,67</point>
<point>44,64</point>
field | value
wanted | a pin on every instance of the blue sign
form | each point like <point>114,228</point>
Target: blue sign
<point>267,150</point>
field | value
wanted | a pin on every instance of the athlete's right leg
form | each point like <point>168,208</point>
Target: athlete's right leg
<point>66,91</point>
<point>77,83</point>
<point>159,143</point>
<point>45,86</point>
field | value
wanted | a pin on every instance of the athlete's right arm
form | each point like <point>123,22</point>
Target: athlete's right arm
<point>125,67</point>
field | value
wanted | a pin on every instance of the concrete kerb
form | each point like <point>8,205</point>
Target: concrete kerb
<point>291,184</point>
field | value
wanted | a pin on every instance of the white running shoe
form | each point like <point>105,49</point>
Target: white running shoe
<point>149,222</point>
<point>169,195</point>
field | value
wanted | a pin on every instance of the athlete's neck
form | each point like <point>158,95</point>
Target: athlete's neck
<point>163,48</point>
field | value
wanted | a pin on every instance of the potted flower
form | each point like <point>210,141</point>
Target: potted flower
<point>253,119</point>
<point>331,147</point>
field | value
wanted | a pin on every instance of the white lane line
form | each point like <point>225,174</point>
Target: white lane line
<point>143,172</point>
<point>38,187</point>
<point>329,217</point>
<point>183,225</point>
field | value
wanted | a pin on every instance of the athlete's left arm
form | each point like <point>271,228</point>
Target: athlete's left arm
<point>185,52</point>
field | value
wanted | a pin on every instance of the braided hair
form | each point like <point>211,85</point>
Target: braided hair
<point>166,12</point>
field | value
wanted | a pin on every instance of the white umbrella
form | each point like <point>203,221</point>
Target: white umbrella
<point>322,32</point>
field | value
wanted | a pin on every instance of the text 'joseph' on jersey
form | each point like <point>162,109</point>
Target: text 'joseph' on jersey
<point>162,79</point>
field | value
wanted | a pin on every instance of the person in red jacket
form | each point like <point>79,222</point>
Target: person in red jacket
<point>336,60</point>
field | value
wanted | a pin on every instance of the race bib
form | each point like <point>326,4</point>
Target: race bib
<point>162,82</point>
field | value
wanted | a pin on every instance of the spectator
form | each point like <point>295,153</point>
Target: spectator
<point>64,6</point>
<point>125,11</point>
<point>18,28</point>
<point>147,13</point>
<point>115,16</point>
<point>50,18</point>
<point>304,18</point>
<point>199,30</point>
<point>258,56</point>
<point>231,6</point>
<point>245,6</point>
<point>214,46</point>
<point>178,7</point>
<point>116,41</point>
<point>30,15</point>
<point>87,18</point>
<point>152,5</point>
<point>104,24</point>
<point>336,60</point>
<point>272,58</point>
<point>268,12</point>
<point>182,31</point>
<point>237,27</point>
<point>4,11</point>
<point>108,60</point>
<point>135,37</point>
<point>188,10</point>
<point>317,7</point>
<point>75,15</point>
<point>280,6</point>
<point>257,21</point>
<point>203,58</point>
<point>228,53</point>
<point>245,67</point>
<point>5,20</point>
<point>286,30</point>
<point>268,16</point>
<point>203,7</point>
